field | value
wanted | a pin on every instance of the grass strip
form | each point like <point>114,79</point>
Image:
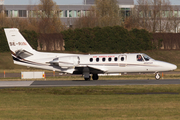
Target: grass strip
<point>99,90</point>
<point>97,102</point>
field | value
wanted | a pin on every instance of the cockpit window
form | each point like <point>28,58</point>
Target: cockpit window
<point>146,57</point>
<point>139,58</point>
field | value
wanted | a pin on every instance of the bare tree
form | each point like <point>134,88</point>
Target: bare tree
<point>108,13</point>
<point>47,14</point>
<point>104,13</point>
<point>89,20</point>
<point>2,17</point>
<point>152,15</point>
<point>175,20</point>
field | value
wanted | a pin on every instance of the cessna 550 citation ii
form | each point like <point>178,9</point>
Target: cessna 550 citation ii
<point>87,65</point>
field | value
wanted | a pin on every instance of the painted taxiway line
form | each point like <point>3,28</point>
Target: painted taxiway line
<point>15,83</point>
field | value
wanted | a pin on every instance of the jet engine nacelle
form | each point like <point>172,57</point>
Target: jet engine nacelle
<point>66,61</point>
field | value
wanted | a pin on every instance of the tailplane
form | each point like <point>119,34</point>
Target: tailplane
<point>17,43</point>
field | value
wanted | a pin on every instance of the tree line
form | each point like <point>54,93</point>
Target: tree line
<point>107,40</point>
<point>114,39</point>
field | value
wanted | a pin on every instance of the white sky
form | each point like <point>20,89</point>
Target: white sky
<point>60,2</point>
<point>26,2</point>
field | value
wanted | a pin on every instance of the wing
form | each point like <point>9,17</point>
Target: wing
<point>92,70</point>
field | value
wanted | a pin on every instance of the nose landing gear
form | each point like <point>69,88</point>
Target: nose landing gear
<point>157,76</point>
<point>87,79</point>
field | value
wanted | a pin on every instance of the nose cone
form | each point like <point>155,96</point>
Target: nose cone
<point>165,66</point>
<point>170,67</point>
<point>173,67</point>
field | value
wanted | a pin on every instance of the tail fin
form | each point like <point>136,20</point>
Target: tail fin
<point>17,43</point>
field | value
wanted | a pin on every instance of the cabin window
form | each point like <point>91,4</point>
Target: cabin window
<point>91,60</point>
<point>139,58</point>
<point>109,59</point>
<point>97,59</point>
<point>122,58</point>
<point>115,59</point>
<point>104,59</point>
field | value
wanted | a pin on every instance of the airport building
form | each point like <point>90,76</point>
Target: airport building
<point>68,14</point>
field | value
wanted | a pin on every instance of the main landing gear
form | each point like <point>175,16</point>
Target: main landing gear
<point>94,77</point>
<point>87,76</point>
<point>157,76</point>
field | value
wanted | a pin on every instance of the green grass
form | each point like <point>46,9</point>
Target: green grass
<point>6,62</point>
<point>100,102</point>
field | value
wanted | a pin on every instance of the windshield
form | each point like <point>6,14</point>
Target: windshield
<point>146,57</point>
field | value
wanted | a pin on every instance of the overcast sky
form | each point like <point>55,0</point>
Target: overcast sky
<point>59,2</point>
<point>25,2</point>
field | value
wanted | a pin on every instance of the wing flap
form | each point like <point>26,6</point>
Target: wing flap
<point>92,70</point>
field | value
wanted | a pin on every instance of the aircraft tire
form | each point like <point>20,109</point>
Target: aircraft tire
<point>157,76</point>
<point>87,79</point>
<point>95,77</point>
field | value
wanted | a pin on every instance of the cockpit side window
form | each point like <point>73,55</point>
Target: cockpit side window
<point>139,58</point>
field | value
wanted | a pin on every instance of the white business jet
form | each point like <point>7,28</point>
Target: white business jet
<point>87,65</point>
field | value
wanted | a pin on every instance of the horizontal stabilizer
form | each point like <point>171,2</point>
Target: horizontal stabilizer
<point>23,54</point>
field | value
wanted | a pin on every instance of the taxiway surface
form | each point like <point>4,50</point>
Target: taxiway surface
<point>86,83</point>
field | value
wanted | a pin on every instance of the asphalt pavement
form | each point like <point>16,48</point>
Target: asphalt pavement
<point>86,83</point>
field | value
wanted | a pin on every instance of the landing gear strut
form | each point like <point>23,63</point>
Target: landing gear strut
<point>157,76</point>
<point>86,74</point>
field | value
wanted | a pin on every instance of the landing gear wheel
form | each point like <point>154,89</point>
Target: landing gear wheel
<point>95,77</point>
<point>87,79</point>
<point>157,76</point>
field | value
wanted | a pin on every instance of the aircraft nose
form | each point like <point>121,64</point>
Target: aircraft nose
<point>172,66</point>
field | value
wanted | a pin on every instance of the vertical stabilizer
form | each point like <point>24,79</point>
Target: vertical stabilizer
<point>16,41</point>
